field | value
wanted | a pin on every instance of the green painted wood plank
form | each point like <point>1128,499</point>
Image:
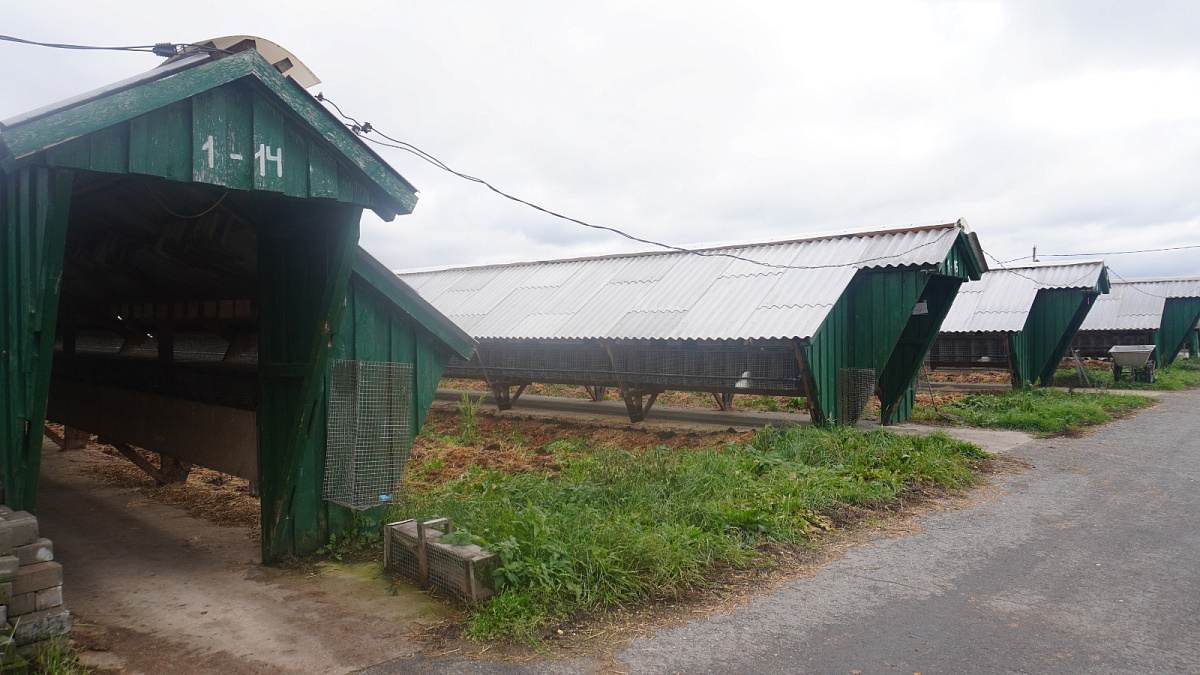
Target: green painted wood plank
<point>34,213</point>
<point>76,154</point>
<point>296,168</point>
<point>322,174</point>
<point>221,138</point>
<point>154,143</point>
<point>299,315</point>
<point>270,151</point>
<point>380,278</point>
<point>109,149</point>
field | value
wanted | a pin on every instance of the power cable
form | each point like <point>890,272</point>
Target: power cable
<point>364,128</point>
<point>164,49</point>
<point>1069,284</point>
<point>1144,250</point>
<point>1134,285</point>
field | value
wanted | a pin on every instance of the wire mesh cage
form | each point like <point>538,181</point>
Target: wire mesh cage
<point>856,386</point>
<point>414,549</point>
<point>369,433</point>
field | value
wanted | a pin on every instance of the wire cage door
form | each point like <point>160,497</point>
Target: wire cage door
<point>369,434</point>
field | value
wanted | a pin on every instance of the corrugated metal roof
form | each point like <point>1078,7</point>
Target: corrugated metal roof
<point>674,295</point>
<point>1002,299</point>
<point>1137,304</point>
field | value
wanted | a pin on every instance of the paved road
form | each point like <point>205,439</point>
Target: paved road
<point>1090,562</point>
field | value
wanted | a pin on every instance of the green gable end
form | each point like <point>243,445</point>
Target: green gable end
<point>234,123</point>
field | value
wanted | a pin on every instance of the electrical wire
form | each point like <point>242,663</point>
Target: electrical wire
<point>364,128</point>
<point>1134,285</point>
<point>205,212</point>
<point>164,49</point>
<point>1144,250</point>
<point>1069,284</point>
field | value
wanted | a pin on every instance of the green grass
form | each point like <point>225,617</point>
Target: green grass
<point>1041,411</point>
<point>1182,374</point>
<point>615,527</point>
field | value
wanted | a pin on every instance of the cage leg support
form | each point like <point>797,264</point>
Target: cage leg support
<point>638,403</point>
<point>505,397</point>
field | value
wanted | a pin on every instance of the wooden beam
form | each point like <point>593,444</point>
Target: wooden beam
<point>224,439</point>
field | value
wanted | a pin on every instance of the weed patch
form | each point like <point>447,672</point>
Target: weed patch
<point>613,527</point>
<point>1040,411</point>
<point>1183,374</point>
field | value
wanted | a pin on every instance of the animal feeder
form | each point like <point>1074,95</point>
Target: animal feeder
<point>1134,357</point>
<point>415,550</point>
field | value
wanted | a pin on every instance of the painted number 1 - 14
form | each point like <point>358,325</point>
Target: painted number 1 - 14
<point>263,155</point>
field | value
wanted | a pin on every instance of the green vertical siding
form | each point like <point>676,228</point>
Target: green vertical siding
<point>304,259</point>
<point>895,380</point>
<point>34,205</point>
<point>1179,318</point>
<point>1048,332</point>
<point>861,331</point>
<point>373,328</point>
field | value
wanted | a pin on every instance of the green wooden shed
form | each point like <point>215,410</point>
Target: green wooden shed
<point>1162,312</point>
<point>1020,319</point>
<point>816,317</point>
<point>180,271</point>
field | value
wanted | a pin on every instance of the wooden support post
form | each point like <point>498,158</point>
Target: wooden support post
<point>500,393</point>
<point>422,558</point>
<point>173,473</point>
<point>808,399</point>
<point>634,402</point>
<point>724,400</point>
<point>34,206</point>
<point>305,252</point>
<point>595,392</point>
<point>504,396</point>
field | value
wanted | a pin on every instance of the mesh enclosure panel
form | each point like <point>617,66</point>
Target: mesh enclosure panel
<point>369,433</point>
<point>856,386</point>
<point>672,365</point>
<point>966,348</point>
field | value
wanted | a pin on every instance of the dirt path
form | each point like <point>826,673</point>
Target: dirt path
<point>155,590</point>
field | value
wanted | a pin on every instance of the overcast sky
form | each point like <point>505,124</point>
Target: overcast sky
<point>1073,126</point>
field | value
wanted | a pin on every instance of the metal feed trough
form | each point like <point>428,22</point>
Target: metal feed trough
<point>414,549</point>
<point>1134,357</point>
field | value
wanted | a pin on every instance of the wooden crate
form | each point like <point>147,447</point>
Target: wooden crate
<point>414,550</point>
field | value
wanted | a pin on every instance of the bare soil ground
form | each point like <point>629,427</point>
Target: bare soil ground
<point>154,586</point>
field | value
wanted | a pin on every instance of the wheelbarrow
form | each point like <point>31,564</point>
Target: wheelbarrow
<point>1134,357</point>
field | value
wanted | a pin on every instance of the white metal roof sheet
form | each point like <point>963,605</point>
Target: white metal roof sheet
<point>1002,299</point>
<point>1138,304</point>
<point>709,294</point>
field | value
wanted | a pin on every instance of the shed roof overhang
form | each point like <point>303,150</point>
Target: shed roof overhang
<point>352,172</point>
<point>379,277</point>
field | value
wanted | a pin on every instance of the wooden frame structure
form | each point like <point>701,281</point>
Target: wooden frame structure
<point>210,197</point>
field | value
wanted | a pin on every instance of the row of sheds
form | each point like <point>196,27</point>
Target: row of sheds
<point>1025,319</point>
<point>791,317</point>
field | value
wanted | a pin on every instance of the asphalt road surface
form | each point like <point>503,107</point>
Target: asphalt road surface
<point>1087,563</point>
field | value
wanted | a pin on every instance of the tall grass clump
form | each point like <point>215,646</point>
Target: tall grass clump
<point>615,527</point>
<point>1041,411</point>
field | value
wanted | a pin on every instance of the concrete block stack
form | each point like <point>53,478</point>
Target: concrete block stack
<point>31,610</point>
